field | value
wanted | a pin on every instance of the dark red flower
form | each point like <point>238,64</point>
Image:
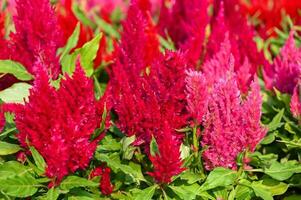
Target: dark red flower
<point>66,118</point>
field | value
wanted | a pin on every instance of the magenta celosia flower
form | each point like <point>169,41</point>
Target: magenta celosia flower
<point>224,62</point>
<point>229,20</point>
<point>285,71</point>
<point>185,22</point>
<point>231,125</point>
<point>197,95</point>
<point>167,161</point>
<point>220,64</point>
<point>37,37</point>
<point>60,122</point>
<point>296,103</point>
<point>105,184</point>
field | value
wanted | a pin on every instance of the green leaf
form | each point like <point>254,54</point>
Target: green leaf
<point>81,16</point>
<point>146,194</point>
<point>261,192</point>
<point>113,161</point>
<point>109,144</point>
<point>16,180</point>
<point>293,197</point>
<point>16,93</point>
<point>71,43</point>
<point>52,194</point>
<point>38,159</point>
<point>273,186</point>
<point>7,148</point>
<point>154,149</point>
<point>88,53</point>
<point>268,139</point>
<point>282,171</point>
<point>189,191</point>
<point>192,177</point>
<point>68,62</point>
<point>16,69</point>
<point>106,27</point>
<point>219,177</point>
<point>74,181</point>
<point>276,122</point>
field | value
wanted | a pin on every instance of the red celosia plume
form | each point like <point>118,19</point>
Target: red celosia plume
<point>105,184</point>
<point>185,22</point>
<point>37,37</point>
<point>67,119</point>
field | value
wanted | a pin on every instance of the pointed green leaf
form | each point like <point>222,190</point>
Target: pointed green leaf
<point>72,42</point>
<point>154,149</point>
<point>38,159</point>
<point>16,69</point>
<point>7,148</point>
<point>146,194</point>
<point>75,181</point>
<point>219,177</point>
<point>88,53</point>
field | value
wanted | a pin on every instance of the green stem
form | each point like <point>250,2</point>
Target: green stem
<point>195,141</point>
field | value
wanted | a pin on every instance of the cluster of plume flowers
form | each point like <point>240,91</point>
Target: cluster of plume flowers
<point>284,74</point>
<point>67,119</point>
<point>152,93</point>
<point>148,101</point>
<point>231,123</point>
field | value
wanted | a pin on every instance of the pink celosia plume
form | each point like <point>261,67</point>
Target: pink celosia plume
<point>232,125</point>
<point>284,73</point>
<point>295,104</point>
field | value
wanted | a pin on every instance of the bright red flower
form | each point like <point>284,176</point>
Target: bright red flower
<point>285,71</point>
<point>105,184</point>
<point>185,22</point>
<point>37,37</point>
<point>67,119</point>
<point>167,162</point>
<point>2,25</point>
<point>264,9</point>
<point>144,92</point>
<point>231,125</point>
<point>68,21</point>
